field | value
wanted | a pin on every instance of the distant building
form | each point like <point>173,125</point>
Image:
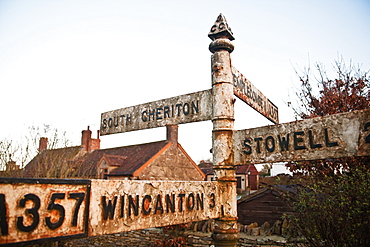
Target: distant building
<point>266,204</point>
<point>246,175</point>
<point>11,170</point>
<point>162,160</point>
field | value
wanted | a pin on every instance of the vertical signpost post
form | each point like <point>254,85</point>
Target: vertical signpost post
<point>226,231</point>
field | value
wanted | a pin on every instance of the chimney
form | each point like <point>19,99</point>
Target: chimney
<point>172,133</point>
<point>86,139</point>
<point>95,143</point>
<point>43,144</point>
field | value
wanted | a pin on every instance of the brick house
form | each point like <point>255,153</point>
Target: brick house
<point>162,160</point>
<point>246,175</point>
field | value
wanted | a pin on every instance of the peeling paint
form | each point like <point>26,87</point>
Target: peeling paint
<point>334,136</point>
<point>187,108</point>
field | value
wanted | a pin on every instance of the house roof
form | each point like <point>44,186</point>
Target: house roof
<point>128,158</point>
<point>243,169</point>
<point>49,158</point>
<point>113,160</point>
<point>206,167</point>
<point>278,190</point>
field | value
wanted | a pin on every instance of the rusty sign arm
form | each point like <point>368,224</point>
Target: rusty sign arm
<point>186,108</point>
<point>334,136</point>
<point>248,93</point>
<point>41,210</point>
<point>51,209</point>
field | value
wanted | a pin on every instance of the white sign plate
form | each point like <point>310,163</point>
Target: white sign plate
<point>39,210</point>
<point>31,209</point>
<point>181,109</point>
<point>334,136</point>
<point>118,205</point>
<point>248,93</point>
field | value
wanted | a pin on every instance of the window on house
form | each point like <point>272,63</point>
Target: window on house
<point>238,182</point>
<point>104,173</point>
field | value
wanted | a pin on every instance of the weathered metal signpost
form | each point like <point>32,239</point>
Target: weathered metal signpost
<point>334,136</point>
<point>55,209</point>
<point>225,232</point>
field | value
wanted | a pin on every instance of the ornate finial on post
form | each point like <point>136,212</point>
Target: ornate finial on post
<point>221,35</point>
<point>221,29</point>
<point>225,232</point>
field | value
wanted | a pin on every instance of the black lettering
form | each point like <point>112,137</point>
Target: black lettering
<point>151,113</point>
<point>310,138</point>
<point>258,139</point>
<point>3,217</point>
<point>158,113</point>
<point>181,196</point>
<point>284,142</point>
<point>178,106</point>
<point>79,197</point>
<point>194,108</point>
<point>104,125</point>
<point>212,200</point>
<point>170,205</point>
<point>144,117</point>
<point>185,109</point>
<point>121,119</point>
<point>213,28</point>
<point>297,140</point>
<point>146,204</point>
<point>158,205</point>
<point>166,112</point>
<point>200,201</point>
<point>108,209</point>
<point>54,206</point>
<point>328,143</point>
<point>110,122</point>
<point>122,211</point>
<point>190,202</point>
<point>133,205</point>
<point>270,144</point>
<point>116,121</point>
<point>29,211</point>
<point>248,148</point>
<point>221,25</point>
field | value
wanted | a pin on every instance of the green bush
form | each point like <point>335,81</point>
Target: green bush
<point>335,211</point>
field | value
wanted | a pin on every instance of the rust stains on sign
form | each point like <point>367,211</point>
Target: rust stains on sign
<point>187,108</point>
<point>118,206</point>
<point>39,210</point>
<point>334,136</point>
<point>247,92</point>
<point>32,209</point>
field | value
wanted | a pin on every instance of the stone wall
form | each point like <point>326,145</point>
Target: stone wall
<point>198,234</point>
<point>281,228</point>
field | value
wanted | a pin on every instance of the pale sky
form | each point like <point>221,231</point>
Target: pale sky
<point>63,63</point>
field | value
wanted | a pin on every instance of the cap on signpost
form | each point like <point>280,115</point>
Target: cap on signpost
<point>221,35</point>
<point>221,29</point>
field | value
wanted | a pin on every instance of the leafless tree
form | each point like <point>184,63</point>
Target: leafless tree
<point>15,156</point>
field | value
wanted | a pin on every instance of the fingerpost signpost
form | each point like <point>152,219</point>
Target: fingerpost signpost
<point>41,210</point>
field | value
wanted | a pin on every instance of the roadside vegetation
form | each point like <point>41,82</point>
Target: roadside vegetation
<point>333,209</point>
